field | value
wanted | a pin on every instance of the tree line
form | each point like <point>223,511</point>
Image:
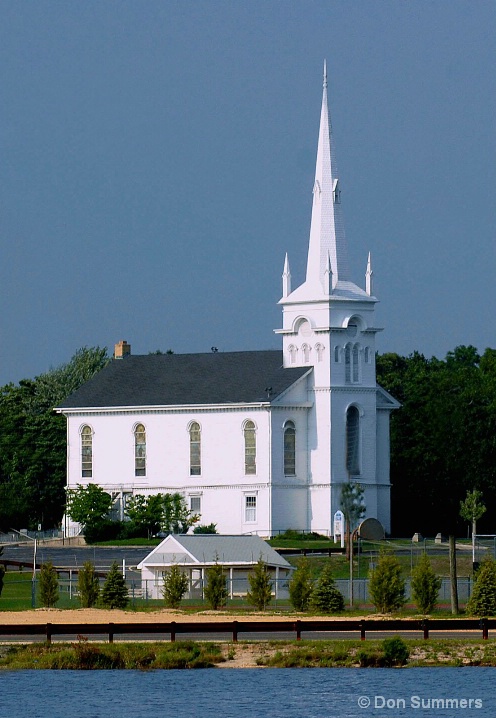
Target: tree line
<point>443,439</point>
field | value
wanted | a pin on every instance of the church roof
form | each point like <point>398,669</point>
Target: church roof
<point>187,379</point>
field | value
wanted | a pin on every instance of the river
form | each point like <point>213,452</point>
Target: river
<point>249,693</point>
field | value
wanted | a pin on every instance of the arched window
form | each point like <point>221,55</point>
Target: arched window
<point>347,364</point>
<point>139,450</point>
<point>356,364</point>
<point>292,353</point>
<point>250,448</point>
<point>319,348</point>
<point>353,441</point>
<point>194,449</point>
<point>289,449</point>
<point>337,354</point>
<point>367,355</point>
<point>306,352</point>
<point>86,452</point>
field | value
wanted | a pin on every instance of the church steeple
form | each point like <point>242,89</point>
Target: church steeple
<point>327,238</point>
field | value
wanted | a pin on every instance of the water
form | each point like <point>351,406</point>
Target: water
<point>249,693</point>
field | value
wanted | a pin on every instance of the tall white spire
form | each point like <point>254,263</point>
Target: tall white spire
<point>326,231</point>
<point>368,277</point>
<point>286,278</point>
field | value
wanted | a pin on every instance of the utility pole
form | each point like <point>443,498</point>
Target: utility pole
<point>453,576</point>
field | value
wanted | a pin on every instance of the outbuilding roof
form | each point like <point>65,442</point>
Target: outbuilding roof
<point>207,549</point>
<point>187,379</point>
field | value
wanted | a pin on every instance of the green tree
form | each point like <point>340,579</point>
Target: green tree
<point>175,586</point>
<point>145,513</point>
<point>425,585</point>
<point>176,517</point>
<point>472,509</point>
<point>482,602</point>
<point>88,585</point>
<point>442,439</point>
<point>48,585</point>
<point>114,591</point>
<point>160,512</point>
<point>88,505</point>
<point>33,442</point>
<point>386,584</point>
<point>326,598</point>
<point>301,586</point>
<point>353,508</point>
<point>260,593</point>
<point>215,590</point>
<point>2,574</point>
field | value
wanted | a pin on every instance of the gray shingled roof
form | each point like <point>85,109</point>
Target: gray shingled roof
<point>186,379</point>
<point>209,548</point>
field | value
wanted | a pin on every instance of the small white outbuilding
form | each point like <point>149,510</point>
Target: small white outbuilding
<point>194,554</point>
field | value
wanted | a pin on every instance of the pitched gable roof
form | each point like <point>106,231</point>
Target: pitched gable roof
<point>205,549</point>
<point>186,379</point>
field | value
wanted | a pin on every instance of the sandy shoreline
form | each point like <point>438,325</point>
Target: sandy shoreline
<point>100,615</point>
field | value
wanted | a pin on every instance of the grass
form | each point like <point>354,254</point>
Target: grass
<point>83,655</point>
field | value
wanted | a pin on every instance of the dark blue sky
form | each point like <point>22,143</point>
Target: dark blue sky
<point>157,162</point>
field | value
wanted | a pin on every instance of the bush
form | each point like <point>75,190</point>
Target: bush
<point>114,591</point>
<point>260,593</point>
<point>300,586</point>
<point>88,585</point>
<point>294,535</point>
<point>175,586</point>
<point>386,584</point>
<point>48,585</point>
<point>102,530</point>
<point>425,585</point>
<point>396,652</point>
<point>216,588</point>
<point>205,529</point>
<point>326,598</point>
<point>482,602</point>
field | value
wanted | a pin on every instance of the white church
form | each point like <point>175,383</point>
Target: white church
<point>261,441</point>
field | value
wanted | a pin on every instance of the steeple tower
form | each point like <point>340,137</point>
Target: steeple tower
<point>327,248</point>
<point>327,230</point>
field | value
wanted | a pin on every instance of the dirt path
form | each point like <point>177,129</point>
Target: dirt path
<point>98,615</point>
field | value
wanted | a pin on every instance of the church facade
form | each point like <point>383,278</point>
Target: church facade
<point>260,441</point>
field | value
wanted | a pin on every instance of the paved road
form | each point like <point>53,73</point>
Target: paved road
<point>258,636</point>
<point>75,556</point>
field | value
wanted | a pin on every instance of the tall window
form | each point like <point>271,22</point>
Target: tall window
<point>250,508</point>
<point>250,448</point>
<point>86,452</point>
<point>320,351</point>
<point>195,503</point>
<point>352,364</point>
<point>356,365</point>
<point>347,364</point>
<point>292,353</point>
<point>140,450</point>
<point>353,441</point>
<point>289,449</point>
<point>194,449</point>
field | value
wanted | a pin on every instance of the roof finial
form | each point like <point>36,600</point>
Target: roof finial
<point>325,74</point>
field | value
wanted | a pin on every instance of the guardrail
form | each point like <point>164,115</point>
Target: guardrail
<point>234,628</point>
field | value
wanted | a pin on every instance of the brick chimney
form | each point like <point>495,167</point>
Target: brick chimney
<point>122,350</point>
